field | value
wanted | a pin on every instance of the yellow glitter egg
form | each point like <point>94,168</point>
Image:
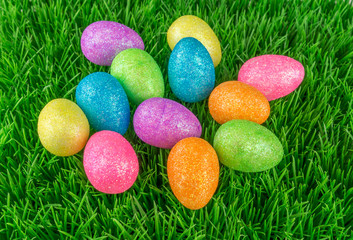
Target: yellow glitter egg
<point>63,128</point>
<point>192,26</point>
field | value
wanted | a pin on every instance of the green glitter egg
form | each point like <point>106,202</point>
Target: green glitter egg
<point>139,75</point>
<point>247,146</point>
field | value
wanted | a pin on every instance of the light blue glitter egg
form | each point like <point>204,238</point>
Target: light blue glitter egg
<point>104,101</point>
<point>190,71</point>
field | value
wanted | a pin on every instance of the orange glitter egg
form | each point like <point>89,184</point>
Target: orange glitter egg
<point>237,100</point>
<point>193,172</point>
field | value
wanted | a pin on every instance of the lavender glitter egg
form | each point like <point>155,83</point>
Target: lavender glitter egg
<point>162,122</point>
<point>101,41</point>
<point>274,75</point>
<point>191,71</point>
<point>104,101</point>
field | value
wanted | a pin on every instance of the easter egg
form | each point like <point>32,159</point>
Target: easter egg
<point>190,71</point>
<point>110,162</point>
<point>247,146</point>
<point>139,75</point>
<point>63,128</point>
<point>103,100</point>
<point>274,75</point>
<point>101,41</point>
<point>162,122</point>
<point>192,26</point>
<point>236,100</point>
<point>193,172</point>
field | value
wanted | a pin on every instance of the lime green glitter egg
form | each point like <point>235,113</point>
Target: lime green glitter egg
<point>247,146</point>
<point>139,74</point>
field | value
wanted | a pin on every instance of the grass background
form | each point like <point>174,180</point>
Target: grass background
<point>309,195</point>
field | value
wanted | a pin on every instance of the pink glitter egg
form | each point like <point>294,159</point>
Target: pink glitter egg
<point>101,41</point>
<point>274,75</point>
<point>110,162</point>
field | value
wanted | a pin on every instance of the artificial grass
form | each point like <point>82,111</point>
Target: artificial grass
<point>309,195</point>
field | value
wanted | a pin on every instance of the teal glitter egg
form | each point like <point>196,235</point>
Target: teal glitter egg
<point>191,71</point>
<point>247,146</point>
<point>104,101</point>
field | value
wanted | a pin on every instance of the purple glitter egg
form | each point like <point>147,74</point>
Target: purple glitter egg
<point>274,75</point>
<point>162,122</point>
<point>101,41</point>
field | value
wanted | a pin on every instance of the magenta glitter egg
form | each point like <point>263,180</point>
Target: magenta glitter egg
<point>110,162</point>
<point>162,122</point>
<point>101,41</point>
<point>274,75</point>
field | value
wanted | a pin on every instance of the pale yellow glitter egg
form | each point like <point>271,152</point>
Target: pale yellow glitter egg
<point>192,26</point>
<point>63,128</point>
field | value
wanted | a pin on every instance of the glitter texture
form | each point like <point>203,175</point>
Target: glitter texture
<point>110,162</point>
<point>139,74</point>
<point>192,26</point>
<point>236,100</point>
<point>190,71</point>
<point>162,122</point>
<point>101,41</point>
<point>193,172</point>
<point>274,75</point>
<point>247,146</point>
<point>103,100</point>
<point>63,128</point>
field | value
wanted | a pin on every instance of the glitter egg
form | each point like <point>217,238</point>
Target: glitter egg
<point>193,172</point>
<point>247,146</point>
<point>110,162</point>
<point>162,122</point>
<point>192,26</point>
<point>274,75</point>
<point>104,101</point>
<point>63,128</point>
<point>101,41</point>
<point>139,75</point>
<point>190,71</point>
<point>236,100</point>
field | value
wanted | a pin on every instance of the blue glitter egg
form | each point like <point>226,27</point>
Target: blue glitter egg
<point>104,101</point>
<point>190,71</point>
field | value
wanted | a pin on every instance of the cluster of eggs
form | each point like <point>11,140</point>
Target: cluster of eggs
<point>109,160</point>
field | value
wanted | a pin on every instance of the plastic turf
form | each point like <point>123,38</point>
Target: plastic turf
<point>309,195</point>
